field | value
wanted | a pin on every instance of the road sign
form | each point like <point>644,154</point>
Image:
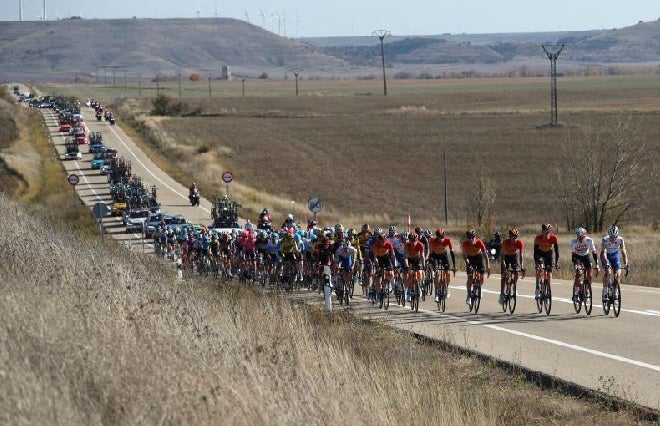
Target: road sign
<point>100,210</point>
<point>73,179</point>
<point>227,177</point>
<point>315,204</point>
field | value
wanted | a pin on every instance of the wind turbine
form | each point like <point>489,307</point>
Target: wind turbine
<point>247,17</point>
<point>263,18</point>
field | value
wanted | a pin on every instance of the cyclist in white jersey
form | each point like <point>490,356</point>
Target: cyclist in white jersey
<point>611,245</point>
<point>581,246</point>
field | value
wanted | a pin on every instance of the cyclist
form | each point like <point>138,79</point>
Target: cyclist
<point>581,246</point>
<point>384,253</point>
<point>513,253</point>
<point>611,245</point>
<point>415,262</point>
<point>543,246</point>
<point>474,254</point>
<point>290,254</point>
<point>364,238</point>
<point>438,246</point>
<point>346,257</point>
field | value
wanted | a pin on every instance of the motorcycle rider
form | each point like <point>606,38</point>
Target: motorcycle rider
<point>265,219</point>
<point>194,192</point>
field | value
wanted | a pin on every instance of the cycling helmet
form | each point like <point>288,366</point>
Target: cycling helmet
<point>471,233</point>
<point>440,233</point>
<point>339,227</point>
<point>412,236</point>
<point>378,232</point>
<point>514,233</point>
<point>289,216</point>
<point>427,233</point>
<point>365,227</point>
<point>346,243</point>
<point>613,231</point>
<point>351,232</point>
<point>265,210</point>
<point>580,232</point>
<point>546,227</point>
<point>404,235</point>
<point>419,230</point>
<point>392,230</point>
<point>498,234</point>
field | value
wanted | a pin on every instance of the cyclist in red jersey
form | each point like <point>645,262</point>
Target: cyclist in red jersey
<point>544,243</point>
<point>415,262</point>
<point>383,251</point>
<point>511,256</point>
<point>474,254</point>
<point>438,247</point>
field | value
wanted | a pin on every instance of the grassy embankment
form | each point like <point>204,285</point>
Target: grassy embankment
<point>96,334</point>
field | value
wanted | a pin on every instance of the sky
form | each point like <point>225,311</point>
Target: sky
<point>307,18</point>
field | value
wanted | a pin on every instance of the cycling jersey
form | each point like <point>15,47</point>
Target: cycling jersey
<point>511,247</point>
<point>382,248</point>
<point>473,248</point>
<point>439,245</point>
<point>414,250</point>
<point>545,243</point>
<point>584,247</point>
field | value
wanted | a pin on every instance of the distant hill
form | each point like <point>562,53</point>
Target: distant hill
<point>150,46</point>
<point>78,47</point>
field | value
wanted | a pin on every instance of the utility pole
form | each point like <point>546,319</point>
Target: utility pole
<point>179,85</point>
<point>381,34</point>
<point>139,85</point>
<point>444,160</point>
<point>296,72</point>
<point>553,51</point>
<point>243,86</point>
<point>157,85</point>
<point>210,78</point>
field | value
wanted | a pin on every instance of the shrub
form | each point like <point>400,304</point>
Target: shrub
<point>164,105</point>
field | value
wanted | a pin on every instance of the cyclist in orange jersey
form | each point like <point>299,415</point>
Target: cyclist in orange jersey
<point>544,243</point>
<point>438,246</point>
<point>383,251</point>
<point>474,254</point>
<point>512,255</point>
<point>415,259</point>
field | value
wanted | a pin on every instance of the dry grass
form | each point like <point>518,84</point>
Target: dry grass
<point>94,334</point>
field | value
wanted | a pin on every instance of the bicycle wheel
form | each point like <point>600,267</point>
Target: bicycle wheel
<point>477,298</point>
<point>606,305</point>
<point>386,299</point>
<point>616,300</point>
<point>512,298</point>
<point>421,289</point>
<point>540,300</point>
<point>351,286</point>
<point>414,301</point>
<point>587,298</point>
<point>442,303</point>
<point>547,298</point>
<point>577,301</point>
<point>505,297</point>
<point>347,293</point>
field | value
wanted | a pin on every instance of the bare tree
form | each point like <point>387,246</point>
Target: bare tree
<point>607,174</point>
<point>481,201</point>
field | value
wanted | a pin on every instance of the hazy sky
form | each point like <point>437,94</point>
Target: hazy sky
<point>306,18</point>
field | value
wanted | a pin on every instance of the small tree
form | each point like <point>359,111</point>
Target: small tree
<point>480,202</point>
<point>607,175</point>
<point>164,105</point>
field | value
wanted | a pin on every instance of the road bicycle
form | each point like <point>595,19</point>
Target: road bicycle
<point>509,297</point>
<point>383,295</point>
<point>544,301</point>
<point>415,295</point>
<point>343,290</point>
<point>613,292</point>
<point>475,289</point>
<point>441,287</point>
<point>581,291</point>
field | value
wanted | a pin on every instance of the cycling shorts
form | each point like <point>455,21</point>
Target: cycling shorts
<point>547,260</point>
<point>613,260</point>
<point>400,259</point>
<point>288,257</point>
<point>585,261</point>
<point>510,260</point>
<point>477,262</point>
<point>439,260</point>
<point>415,264</point>
<point>384,262</point>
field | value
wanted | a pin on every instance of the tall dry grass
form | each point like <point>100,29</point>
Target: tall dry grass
<point>95,334</point>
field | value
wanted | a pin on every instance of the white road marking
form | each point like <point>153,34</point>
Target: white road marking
<point>550,341</point>
<point>648,313</point>
<point>149,170</point>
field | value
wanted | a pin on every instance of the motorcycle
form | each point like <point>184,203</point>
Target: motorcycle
<point>194,198</point>
<point>265,225</point>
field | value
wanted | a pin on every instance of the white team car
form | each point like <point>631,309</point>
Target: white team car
<point>74,155</point>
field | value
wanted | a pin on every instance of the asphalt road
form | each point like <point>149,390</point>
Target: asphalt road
<point>619,356</point>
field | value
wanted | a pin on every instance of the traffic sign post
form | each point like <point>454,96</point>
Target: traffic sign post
<point>73,180</point>
<point>314,204</point>
<point>100,211</point>
<point>227,177</point>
